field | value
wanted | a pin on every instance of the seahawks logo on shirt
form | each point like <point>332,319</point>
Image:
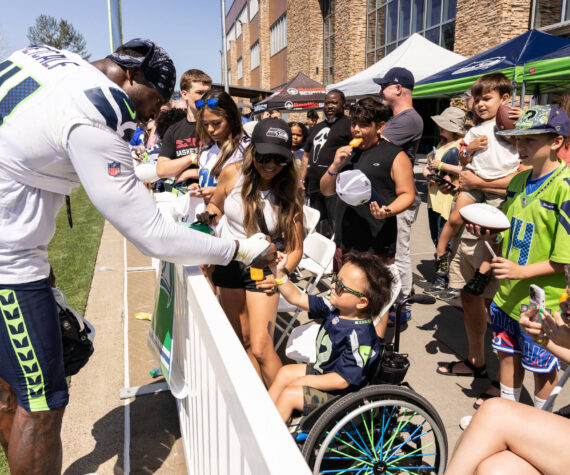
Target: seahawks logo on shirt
<point>116,108</point>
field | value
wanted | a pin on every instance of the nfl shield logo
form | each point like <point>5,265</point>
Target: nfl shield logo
<point>114,168</point>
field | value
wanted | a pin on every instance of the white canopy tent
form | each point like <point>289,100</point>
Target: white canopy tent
<point>422,57</point>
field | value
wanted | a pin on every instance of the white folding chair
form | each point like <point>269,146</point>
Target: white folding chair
<point>318,253</point>
<point>311,218</point>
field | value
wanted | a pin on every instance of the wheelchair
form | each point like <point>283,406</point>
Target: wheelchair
<point>385,427</point>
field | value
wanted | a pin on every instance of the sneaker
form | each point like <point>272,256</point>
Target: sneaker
<point>464,422</point>
<point>437,287</point>
<point>252,249</point>
<point>447,294</point>
<point>405,315</point>
<point>477,284</point>
<point>441,265</point>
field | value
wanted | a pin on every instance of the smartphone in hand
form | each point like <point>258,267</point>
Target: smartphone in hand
<point>537,299</point>
<point>438,179</point>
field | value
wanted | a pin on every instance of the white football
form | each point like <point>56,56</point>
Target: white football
<point>486,216</point>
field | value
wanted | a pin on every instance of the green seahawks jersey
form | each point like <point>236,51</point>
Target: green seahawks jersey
<point>540,230</point>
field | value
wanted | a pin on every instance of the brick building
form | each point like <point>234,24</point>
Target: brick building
<point>270,41</point>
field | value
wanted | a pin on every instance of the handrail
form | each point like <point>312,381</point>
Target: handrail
<point>228,422</point>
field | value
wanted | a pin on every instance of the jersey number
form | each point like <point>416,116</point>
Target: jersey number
<point>323,339</point>
<point>515,242</point>
<point>16,94</point>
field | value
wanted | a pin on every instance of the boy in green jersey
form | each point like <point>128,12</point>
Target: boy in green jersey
<point>534,249</point>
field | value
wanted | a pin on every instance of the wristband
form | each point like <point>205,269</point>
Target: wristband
<point>282,280</point>
<point>331,174</point>
<point>439,166</point>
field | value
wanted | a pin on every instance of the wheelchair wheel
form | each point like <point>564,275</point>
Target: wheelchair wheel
<point>379,429</point>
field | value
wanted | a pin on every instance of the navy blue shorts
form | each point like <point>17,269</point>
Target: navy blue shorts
<point>31,353</point>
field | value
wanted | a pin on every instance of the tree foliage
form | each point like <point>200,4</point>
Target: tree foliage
<point>61,35</point>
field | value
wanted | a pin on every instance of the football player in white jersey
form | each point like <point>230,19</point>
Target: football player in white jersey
<point>64,122</point>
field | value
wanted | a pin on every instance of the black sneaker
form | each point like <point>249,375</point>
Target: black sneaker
<point>447,294</point>
<point>441,265</point>
<point>477,284</point>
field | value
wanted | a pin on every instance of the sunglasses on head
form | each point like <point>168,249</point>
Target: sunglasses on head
<point>211,103</point>
<point>339,288</point>
<point>266,158</point>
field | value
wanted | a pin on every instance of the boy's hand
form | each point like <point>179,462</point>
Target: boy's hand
<point>530,326</point>
<point>514,112</point>
<point>380,212</point>
<point>341,156</point>
<point>268,284</point>
<point>279,264</point>
<point>480,143</point>
<point>555,328</point>
<point>505,269</point>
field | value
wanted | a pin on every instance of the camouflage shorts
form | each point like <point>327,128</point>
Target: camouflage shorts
<point>313,398</point>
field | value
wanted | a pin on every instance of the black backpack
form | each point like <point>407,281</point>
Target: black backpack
<point>77,347</point>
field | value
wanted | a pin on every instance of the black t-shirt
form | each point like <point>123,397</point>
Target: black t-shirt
<point>322,143</point>
<point>180,140</point>
<point>355,227</point>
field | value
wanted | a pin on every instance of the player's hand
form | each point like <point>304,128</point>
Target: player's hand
<point>268,284</point>
<point>505,269</point>
<point>479,232</point>
<point>380,212</point>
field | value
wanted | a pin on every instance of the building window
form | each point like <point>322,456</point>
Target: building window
<point>391,22</point>
<point>241,19</point>
<point>239,68</point>
<point>550,12</point>
<point>253,8</point>
<point>254,55</point>
<point>278,35</point>
<point>328,41</point>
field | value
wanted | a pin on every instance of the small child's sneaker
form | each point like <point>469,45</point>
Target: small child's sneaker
<point>441,265</point>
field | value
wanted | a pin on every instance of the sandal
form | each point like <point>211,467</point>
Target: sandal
<point>476,371</point>
<point>487,395</point>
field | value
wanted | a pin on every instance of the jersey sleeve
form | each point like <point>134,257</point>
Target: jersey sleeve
<point>168,146</point>
<point>104,165</point>
<point>561,248</point>
<point>352,363</point>
<point>319,307</point>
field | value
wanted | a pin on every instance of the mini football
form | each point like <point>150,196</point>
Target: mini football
<point>485,216</point>
<point>504,122</point>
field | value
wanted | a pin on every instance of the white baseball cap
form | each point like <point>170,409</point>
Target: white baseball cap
<point>354,188</point>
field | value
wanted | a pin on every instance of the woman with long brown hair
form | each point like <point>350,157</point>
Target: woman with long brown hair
<point>261,196</point>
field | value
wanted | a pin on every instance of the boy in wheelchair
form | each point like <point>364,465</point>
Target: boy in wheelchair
<point>347,344</point>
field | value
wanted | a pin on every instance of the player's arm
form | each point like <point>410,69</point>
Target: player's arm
<point>323,382</point>
<point>125,202</point>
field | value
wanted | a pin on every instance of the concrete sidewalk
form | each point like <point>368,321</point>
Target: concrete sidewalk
<point>94,431</point>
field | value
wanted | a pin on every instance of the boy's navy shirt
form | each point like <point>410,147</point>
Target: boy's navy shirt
<point>344,346</point>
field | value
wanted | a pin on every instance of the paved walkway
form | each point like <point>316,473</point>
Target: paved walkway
<point>97,430</point>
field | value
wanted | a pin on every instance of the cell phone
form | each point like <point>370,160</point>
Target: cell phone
<point>434,177</point>
<point>537,299</point>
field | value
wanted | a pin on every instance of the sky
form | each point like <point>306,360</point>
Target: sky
<point>190,30</point>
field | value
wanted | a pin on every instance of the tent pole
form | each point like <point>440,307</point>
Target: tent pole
<point>521,104</point>
<point>514,100</point>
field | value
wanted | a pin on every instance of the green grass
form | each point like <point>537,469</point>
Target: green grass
<point>72,254</point>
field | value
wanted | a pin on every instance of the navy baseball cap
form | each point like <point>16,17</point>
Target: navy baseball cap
<point>273,136</point>
<point>541,120</point>
<point>401,76</point>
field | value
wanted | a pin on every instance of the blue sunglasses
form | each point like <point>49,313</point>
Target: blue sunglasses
<point>211,103</point>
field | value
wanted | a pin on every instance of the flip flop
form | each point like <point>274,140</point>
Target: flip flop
<point>476,371</point>
<point>487,395</point>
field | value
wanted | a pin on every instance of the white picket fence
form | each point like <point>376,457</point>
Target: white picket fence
<point>229,424</point>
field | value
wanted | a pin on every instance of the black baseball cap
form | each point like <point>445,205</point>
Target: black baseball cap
<point>401,76</point>
<point>272,136</point>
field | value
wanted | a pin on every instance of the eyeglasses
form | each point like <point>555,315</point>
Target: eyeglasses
<point>212,103</point>
<point>266,158</point>
<point>339,288</point>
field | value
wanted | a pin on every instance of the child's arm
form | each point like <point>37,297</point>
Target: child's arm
<point>466,152</point>
<point>551,332</point>
<point>505,269</point>
<point>289,290</point>
<point>468,180</point>
<point>445,167</point>
<point>323,382</point>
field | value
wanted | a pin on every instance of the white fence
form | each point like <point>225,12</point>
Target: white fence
<point>229,424</point>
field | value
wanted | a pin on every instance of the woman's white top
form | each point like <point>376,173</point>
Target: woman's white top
<point>209,157</point>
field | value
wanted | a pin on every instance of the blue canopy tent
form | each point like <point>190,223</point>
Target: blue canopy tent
<point>508,57</point>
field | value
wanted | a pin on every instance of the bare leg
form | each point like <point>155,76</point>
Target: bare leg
<point>8,406</point>
<point>512,372</point>
<point>505,463</point>
<point>545,383</point>
<point>538,437</point>
<point>262,311</point>
<point>291,398</point>
<point>35,442</point>
<point>454,223</point>
<point>475,318</point>
<point>285,376</point>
